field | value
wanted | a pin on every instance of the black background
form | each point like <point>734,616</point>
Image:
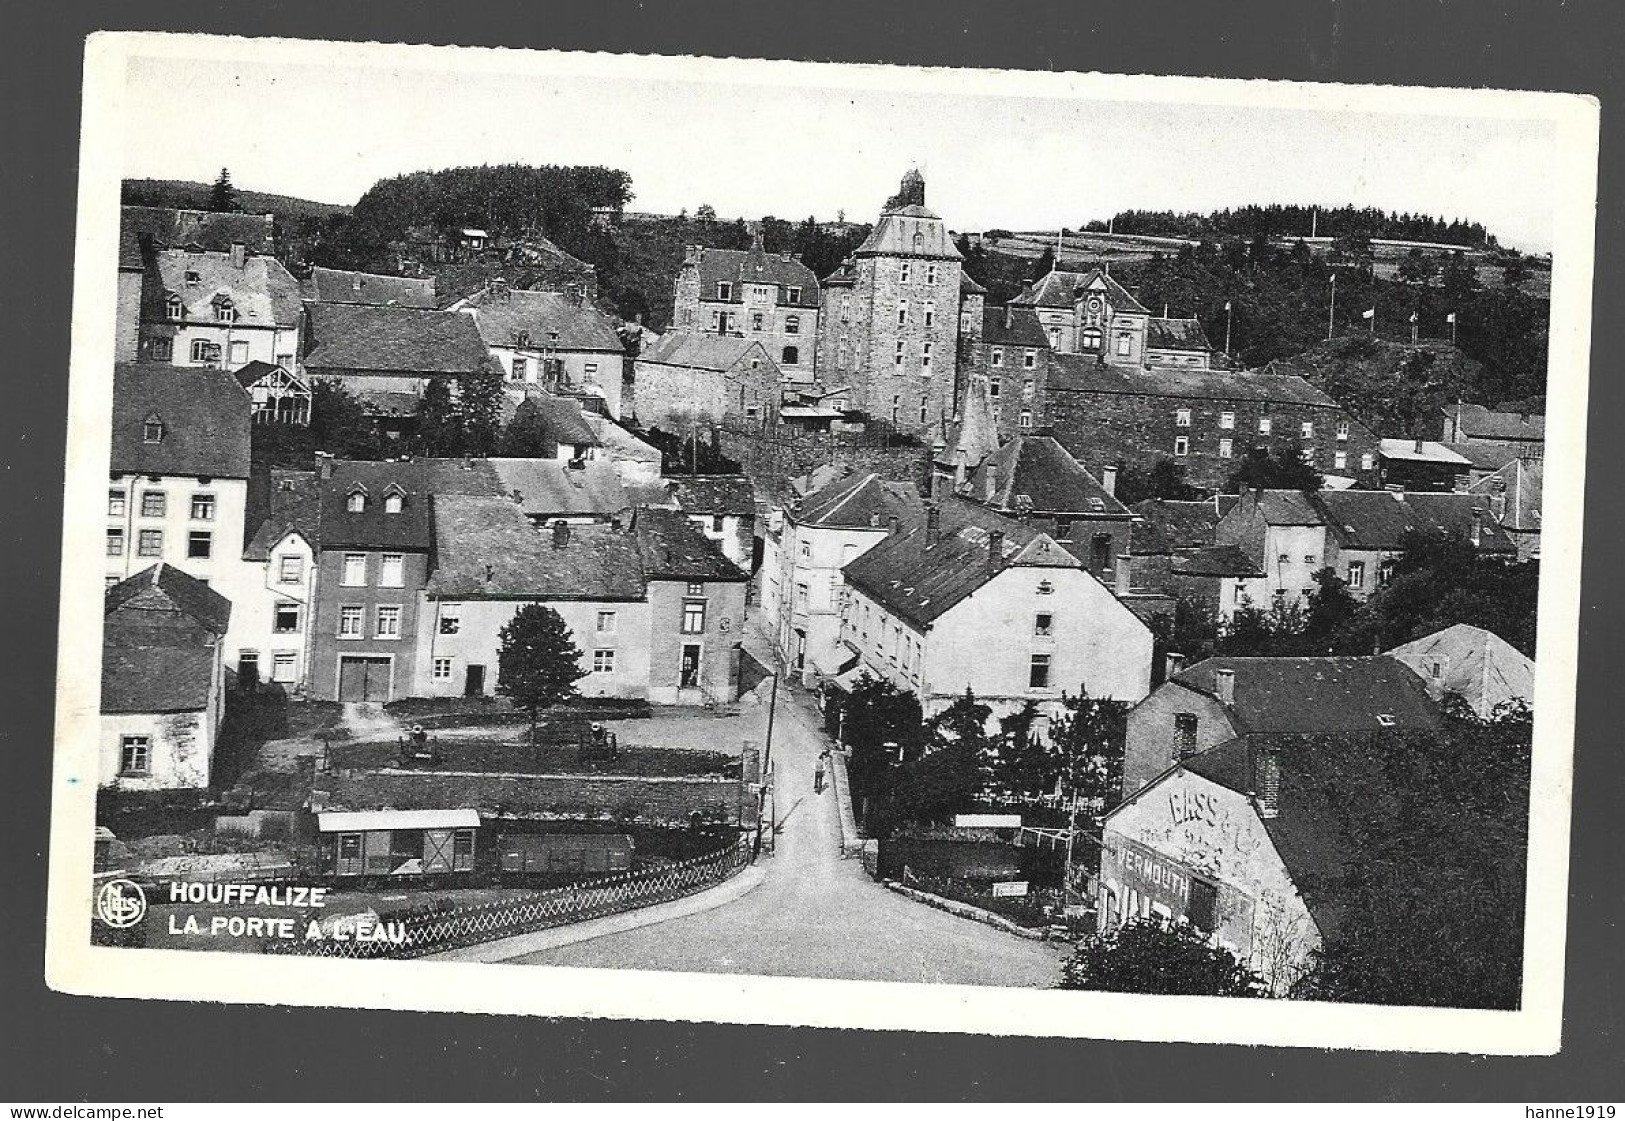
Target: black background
<point>64,1048</point>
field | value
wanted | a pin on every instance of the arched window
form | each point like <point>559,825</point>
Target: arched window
<point>225,311</point>
<point>792,325</point>
<point>792,356</point>
<point>392,502</point>
<point>153,429</point>
<point>356,501</point>
<point>1091,338</point>
<point>174,308</point>
<point>919,241</point>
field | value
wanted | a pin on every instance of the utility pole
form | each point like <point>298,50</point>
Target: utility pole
<point>772,711</point>
<point>1071,832</point>
<point>1331,315</point>
<point>1227,317</point>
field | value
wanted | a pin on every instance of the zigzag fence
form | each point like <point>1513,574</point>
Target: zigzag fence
<point>467,926</point>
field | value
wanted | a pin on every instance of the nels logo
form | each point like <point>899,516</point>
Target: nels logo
<point>121,903</point>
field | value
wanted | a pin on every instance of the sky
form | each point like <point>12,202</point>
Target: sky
<point>753,139</point>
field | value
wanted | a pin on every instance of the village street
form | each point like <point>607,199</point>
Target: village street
<point>816,914</point>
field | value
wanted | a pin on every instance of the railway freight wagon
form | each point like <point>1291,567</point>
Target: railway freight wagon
<point>399,843</point>
<point>564,854</point>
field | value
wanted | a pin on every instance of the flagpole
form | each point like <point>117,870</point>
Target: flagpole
<point>1227,315</point>
<point>1331,314</point>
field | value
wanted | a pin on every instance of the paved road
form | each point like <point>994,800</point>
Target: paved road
<point>815,914</point>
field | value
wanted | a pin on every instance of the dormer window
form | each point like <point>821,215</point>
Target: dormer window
<point>153,430</point>
<point>1045,588</point>
<point>521,338</point>
<point>193,279</point>
<point>356,501</point>
<point>393,501</point>
<point>224,310</point>
<point>174,308</point>
<point>725,290</point>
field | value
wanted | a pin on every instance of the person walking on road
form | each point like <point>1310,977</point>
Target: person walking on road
<point>818,775</point>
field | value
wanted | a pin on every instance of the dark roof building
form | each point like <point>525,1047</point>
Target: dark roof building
<point>1465,423</point>
<point>1177,335</point>
<point>172,228</point>
<point>1170,526</point>
<point>1381,519</point>
<point>548,488</point>
<point>672,549</point>
<point>735,268</point>
<point>1311,696</point>
<point>542,320</point>
<point>1081,373</point>
<point>486,548</point>
<point>281,501</point>
<point>1033,473</point>
<point>1062,289</point>
<point>173,420</point>
<point>160,640</point>
<point>360,339</point>
<point>715,494</point>
<point>394,509</point>
<point>344,286</point>
<point>858,501</point>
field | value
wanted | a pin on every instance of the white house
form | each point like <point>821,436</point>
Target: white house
<point>987,605</point>
<point>220,309</point>
<point>556,340</point>
<point>163,681</point>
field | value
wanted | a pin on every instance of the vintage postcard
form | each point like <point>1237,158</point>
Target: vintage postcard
<point>790,543</point>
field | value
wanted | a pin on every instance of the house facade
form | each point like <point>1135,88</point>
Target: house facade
<point>1009,354</point>
<point>386,355</point>
<point>1204,420</point>
<point>1089,314</point>
<point>221,309</point>
<point>555,340</point>
<point>889,328</point>
<point>770,298</point>
<point>804,548</point>
<point>1010,615</point>
<point>723,508</point>
<point>163,681</point>
<point>688,379</point>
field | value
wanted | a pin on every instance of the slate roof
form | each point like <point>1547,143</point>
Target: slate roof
<point>1024,328</point>
<point>756,266</point>
<point>344,286</point>
<point>1431,451</point>
<point>618,442</point>
<point>247,375</point>
<point>859,500</point>
<point>703,352</point>
<point>969,287</point>
<point>1170,526</point>
<point>563,418</point>
<point>1379,519</point>
<point>206,420</point>
<point>894,234</point>
<point>1481,667</point>
<point>547,319</point>
<point>1481,423</point>
<point>410,341</point>
<point>215,230</point>
<point>1521,483</point>
<point>844,275</point>
<point>1176,334</point>
<point>1059,288</point>
<point>156,642</point>
<point>1084,373</point>
<point>1040,468</point>
<point>1215,560</point>
<point>1487,455</point>
<point>920,581</point>
<point>1305,696</point>
<point>280,500</point>
<point>1291,507</point>
<point>715,494</point>
<point>973,434</point>
<point>412,528</point>
<point>551,488</point>
<point>485,547</point>
<point>674,549</point>
<point>264,293</point>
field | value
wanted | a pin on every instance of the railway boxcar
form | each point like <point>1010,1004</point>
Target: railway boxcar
<point>565,854</point>
<point>398,843</point>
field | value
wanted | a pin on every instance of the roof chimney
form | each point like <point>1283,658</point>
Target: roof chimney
<point>324,465</point>
<point>1024,508</point>
<point>1122,576</point>
<point>1173,663</point>
<point>1108,479</point>
<point>561,534</point>
<point>1009,317</point>
<point>895,525</point>
<point>1269,783</point>
<point>1419,445</point>
<point>1478,526</point>
<point>995,548</point>
<point>239,254</point>
<point>490,573</point>
<point>1224,685</point>
<point>933,524</point>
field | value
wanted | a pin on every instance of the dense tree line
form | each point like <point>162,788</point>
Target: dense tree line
<point>1289,220</point>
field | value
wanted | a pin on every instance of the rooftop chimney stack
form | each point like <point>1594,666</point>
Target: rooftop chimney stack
<point>239,254</point>
<point>561,534</point>
<point>1224,684</point>
<point>1269,783</point>
<point>324,465</point>
<point>995,547</point>
<point>1009,317</point>
<point>1123,577</point>
<point>1419,445</point>
<point>894,525</point>
<point>1174,663</point>
<point>933,524</point>
<point>1108,479</point>
<point>1478,526</point>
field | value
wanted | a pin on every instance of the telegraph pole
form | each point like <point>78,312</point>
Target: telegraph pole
<point>1331,315</point>
<point>1227,316</point>
<point>772,710</point>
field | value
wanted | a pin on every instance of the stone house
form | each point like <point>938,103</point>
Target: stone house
<point>889,327</point>
<point>723,508</point>
<point>1009,353</point>
<point>556,340</point>
<point>1471,663</point>
<point>273,608</point>
<point>1366,530</point>
<point>688,379</point>
<point>1283,534</point>
<point>163,681</point>
<point>1478,424</point>
<point>1203,420</point>
<point>1089,314</point>
<point>771,298</point>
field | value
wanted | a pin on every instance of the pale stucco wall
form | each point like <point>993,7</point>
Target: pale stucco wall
<point>182,749</point>
<point>1194,827</point>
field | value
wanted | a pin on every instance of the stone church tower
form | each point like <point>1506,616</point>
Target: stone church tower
<point>889,328</point>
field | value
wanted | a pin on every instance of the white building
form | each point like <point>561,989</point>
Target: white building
<point>556,340</point>
<point>163,681</point>
<point>220,309</point>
